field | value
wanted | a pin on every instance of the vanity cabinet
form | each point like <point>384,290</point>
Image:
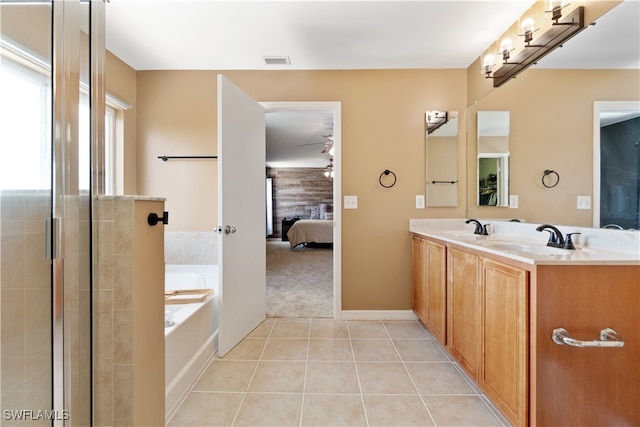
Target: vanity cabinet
<point>502,310</point>
<point>463,309</point>
<point>486,322</point>
<point>503,337</point>
<point>429,285</point>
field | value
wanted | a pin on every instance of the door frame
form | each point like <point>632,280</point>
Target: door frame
<point>335,107</point>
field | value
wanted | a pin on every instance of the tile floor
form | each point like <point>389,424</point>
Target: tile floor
<point>324,372</point>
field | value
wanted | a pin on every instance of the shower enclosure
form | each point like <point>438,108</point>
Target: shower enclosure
<point>51,119</point>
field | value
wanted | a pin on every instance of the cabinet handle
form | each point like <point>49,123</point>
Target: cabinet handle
<point>608,338</point>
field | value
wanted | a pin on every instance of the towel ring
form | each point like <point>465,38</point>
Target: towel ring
<point>388,172</point>
<point>550,172</point>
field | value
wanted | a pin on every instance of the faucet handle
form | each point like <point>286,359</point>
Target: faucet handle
<point>485,230</point>
<point>568,244</point>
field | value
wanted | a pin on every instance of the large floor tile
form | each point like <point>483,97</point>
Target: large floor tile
<point>329,328</point>
<point>332,377</point>
<point>368,350</point>
<point>330,350</point>
<point>291,328</point>
<point>207,409</point>
<point>278,410</point>
<point>222,375</point>
<point>366,329</point>
<point>419,351</point>
<point>438,378</point>
<point>286,349</point>
<point>384,378</point>
<point>247,349</point>
<point>401,329</point>
<point>460,411</point>
<point>263,330</point>
<point>396,411</point>
<point>333,410</point>
<point>278,377</point>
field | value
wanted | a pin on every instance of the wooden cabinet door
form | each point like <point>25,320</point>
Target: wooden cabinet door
<point>418,277</point>
<point>463,309</point>
<point>504,366</point>
<point>587,387</point>
<point>436,290</point>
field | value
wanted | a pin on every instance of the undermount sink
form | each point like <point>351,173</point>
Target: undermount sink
<point>524,248</point>
<point>461,234</point>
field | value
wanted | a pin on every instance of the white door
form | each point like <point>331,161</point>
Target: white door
<point>241,215</point>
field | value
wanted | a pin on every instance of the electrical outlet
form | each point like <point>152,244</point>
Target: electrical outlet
<point>420,201</point>
<point>351,202</point>
<point>513,201</point>
<point>584,202</point>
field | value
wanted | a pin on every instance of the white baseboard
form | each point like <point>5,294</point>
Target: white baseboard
<point>378,315</point>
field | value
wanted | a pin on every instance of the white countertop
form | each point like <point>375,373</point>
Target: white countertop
<point>521,242</point>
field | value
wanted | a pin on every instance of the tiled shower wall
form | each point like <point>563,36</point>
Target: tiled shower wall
<point>192,248</point>
<point>25,302</point>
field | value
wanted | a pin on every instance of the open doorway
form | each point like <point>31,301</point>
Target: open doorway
<point>303,176</point>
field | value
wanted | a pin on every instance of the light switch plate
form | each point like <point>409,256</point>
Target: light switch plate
<point>584,202</point>
<point>513,201</point>
<point>420,201</point>
<point>351,202</point>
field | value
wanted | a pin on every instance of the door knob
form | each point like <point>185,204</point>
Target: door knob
<point>229,229</point>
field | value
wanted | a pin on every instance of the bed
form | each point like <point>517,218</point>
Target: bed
<point>310,231</point>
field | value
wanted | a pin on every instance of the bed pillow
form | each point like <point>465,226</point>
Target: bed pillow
<point>315,213</point>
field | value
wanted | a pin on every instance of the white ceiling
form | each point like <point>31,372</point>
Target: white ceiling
<point>330,34</point>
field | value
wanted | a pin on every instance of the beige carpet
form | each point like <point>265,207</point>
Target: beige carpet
<point>299,281</point>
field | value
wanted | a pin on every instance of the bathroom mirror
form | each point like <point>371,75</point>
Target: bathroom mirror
<point>442,158</point>
<point>493,158</point>
<point>616,164</point>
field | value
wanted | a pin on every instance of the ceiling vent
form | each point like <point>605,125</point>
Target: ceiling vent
<point>276,60</point>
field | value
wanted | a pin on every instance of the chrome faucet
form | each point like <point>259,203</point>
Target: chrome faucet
<point>480,229</point>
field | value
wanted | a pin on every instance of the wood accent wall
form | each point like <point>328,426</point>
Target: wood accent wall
<point>296,191</point>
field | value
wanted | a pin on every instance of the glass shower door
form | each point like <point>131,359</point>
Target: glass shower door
<point>45,315</point>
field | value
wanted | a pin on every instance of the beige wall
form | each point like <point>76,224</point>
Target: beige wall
<point>551,128</point>
<point>382,122</point>
<point>382,128</point>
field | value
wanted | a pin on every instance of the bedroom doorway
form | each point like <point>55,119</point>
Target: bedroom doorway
<point>290,270</point>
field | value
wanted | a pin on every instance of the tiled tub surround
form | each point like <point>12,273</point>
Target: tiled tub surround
<point>325,372</point>
<point>604,246</point>
<point>191,247</point>
<point>129,348</point>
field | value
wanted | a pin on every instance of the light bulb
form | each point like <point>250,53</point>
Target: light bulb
<point>505,49</point>
<point>528,26</point>
<point>487,64</point>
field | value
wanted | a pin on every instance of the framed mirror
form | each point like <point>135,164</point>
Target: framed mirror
<point>442,158</point>
<point>493,158</point>
<point>616,164</point>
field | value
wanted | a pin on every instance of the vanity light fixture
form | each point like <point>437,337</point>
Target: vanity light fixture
<point>561,31</point>
<point>436,119</point>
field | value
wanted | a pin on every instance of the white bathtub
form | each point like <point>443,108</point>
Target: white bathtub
<point>193,339</point>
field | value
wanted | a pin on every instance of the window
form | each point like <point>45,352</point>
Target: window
<point>25,123</point>
<point>25,126</point>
